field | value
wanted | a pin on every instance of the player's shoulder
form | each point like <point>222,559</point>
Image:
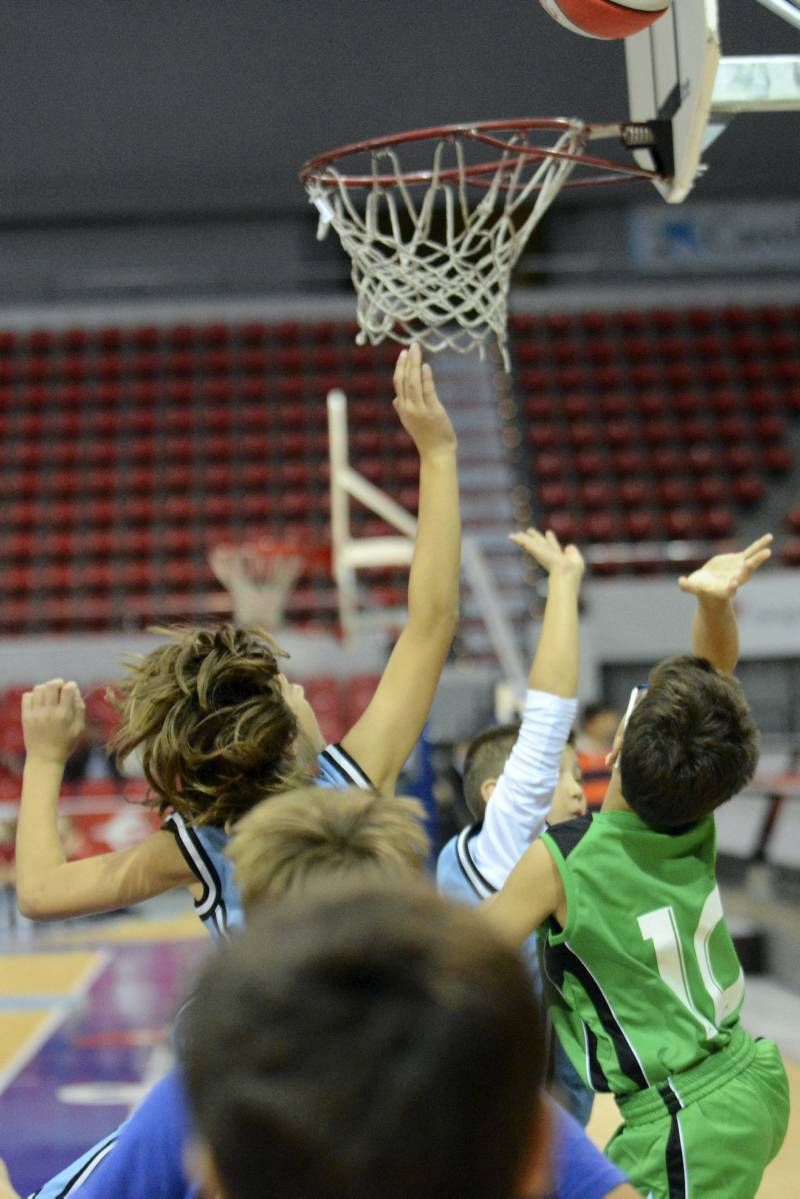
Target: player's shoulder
<point>337,768</point>
<point>569,834</point>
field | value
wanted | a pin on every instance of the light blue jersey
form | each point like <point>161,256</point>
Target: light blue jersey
<point>203,847</point>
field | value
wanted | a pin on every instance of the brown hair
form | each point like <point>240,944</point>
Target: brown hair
<point>208,713</point>
<point>486,756</point>
<point>359,1041</point>
<point>278,845</point>
<point>690,745</point>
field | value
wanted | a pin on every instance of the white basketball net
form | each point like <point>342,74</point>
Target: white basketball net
<point>258,580</point>
<point>445,286</point>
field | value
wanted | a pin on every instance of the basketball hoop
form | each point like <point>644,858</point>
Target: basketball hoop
<point>259,575</point>
<point>428,267</point>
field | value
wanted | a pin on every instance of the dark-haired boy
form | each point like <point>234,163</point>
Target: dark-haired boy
<point>643,982</point>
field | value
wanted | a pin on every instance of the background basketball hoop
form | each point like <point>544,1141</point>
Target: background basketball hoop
<point>433,246</point>
<point>259,575</point>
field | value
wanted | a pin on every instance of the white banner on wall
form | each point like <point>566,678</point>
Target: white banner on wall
<point>720,237</point>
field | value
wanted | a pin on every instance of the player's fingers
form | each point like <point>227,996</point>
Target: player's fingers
<point>551,537</point>
<point>414,374</point>
<point>758,545</point>
<point>399,373</point>
<point>27,703</point>
<point>52,692</point>
<point>429,395</point>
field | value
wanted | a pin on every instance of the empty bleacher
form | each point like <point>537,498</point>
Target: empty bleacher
<point>657,425</point>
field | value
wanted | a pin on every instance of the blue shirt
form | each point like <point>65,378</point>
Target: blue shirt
<point>147,1157</point>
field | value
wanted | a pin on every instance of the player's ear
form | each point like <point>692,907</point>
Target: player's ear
<point>535,1177</point>
<point>198,1165</point>
<point>487,789</point>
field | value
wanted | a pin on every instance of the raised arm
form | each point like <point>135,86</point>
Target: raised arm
<point>518,808</point>
<point>533,892</point>
<point>48,886</point>
<point>715,634</point>
<point>384,736</point>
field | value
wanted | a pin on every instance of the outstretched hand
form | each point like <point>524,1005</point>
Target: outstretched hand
<point>53,720</point>
<point>416,403</point>
<point>723,575</point>
<point>545,548</point>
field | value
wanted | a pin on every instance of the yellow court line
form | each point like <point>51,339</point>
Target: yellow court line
<point>56,974</point>
<point>118,932</point>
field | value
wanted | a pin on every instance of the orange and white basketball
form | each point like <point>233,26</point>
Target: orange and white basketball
<point>605,18</point>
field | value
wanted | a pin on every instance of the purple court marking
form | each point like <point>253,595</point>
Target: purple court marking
<point>139,990</point>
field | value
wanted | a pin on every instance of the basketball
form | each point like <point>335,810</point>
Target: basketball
<point>605,18</point>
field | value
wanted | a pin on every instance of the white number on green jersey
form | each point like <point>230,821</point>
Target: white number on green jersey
<point>660,927</point>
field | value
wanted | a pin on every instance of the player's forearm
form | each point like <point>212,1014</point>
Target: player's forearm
<point>39,851</point>
<point>433,584</point>
<point>521,800</point>
<point>715,633</point>
<point>555,663</point>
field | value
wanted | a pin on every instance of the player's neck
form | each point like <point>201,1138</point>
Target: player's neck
<point>614,800</point>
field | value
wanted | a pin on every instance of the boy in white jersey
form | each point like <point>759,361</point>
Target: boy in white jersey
<point>516,779</point>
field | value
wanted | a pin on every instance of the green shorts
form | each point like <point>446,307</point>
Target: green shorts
<point>709,1132</point>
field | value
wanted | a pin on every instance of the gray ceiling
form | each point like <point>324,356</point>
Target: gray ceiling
<point>119,108</point>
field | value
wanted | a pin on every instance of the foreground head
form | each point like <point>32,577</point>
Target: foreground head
<point>360,1042</point>
<point>485,761</point>
<point>690,744</point>
<point>313,833</point>
<point>216,723</point>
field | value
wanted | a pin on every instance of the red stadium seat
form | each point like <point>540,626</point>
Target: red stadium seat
<point>595,493</point>
<point>576,407</point>
<point>633,492</point>
<point>554,495</point>
<point>748,489</point>
<point>738,458</point>
<point>789,553</point>
<point>681,524</point>
<point>711,489</point>
<point>549,466</point>
<point>657,432</point>
<point>641,526</point>
<point>777,459</point>
<point>627,463</point>
<point>589,462</point>
<point>602,526</point>
<point>673,492</point>
<point>717,523</point>
<point>565,526</point>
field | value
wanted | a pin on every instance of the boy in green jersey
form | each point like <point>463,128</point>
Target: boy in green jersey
<point>641,975</point>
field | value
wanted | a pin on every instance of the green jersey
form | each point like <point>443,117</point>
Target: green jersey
<point>644,981</point>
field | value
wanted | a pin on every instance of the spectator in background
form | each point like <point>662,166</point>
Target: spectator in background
<point>597,726</point>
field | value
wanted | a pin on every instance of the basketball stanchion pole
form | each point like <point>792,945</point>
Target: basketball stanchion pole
<point>351,554</point>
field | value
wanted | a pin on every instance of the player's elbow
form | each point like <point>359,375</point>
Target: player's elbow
<point>32,903</point>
